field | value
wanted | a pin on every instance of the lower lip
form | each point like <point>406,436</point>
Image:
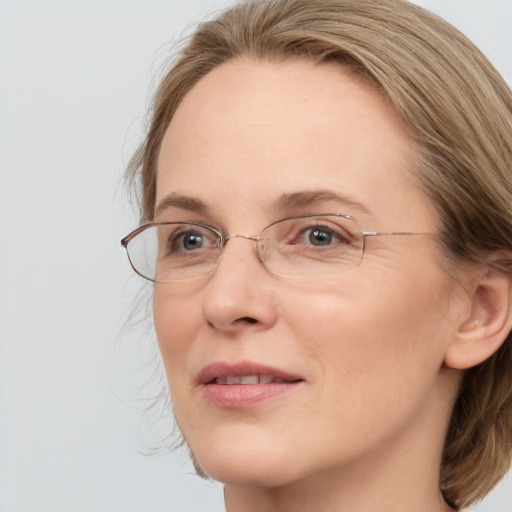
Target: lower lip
<point>242,396</point>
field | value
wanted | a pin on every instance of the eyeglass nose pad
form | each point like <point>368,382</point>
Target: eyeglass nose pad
<point>263,250</point>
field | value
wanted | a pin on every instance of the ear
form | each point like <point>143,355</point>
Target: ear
<point>489,321</point>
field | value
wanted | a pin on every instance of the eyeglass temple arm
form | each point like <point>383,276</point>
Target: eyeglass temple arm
<point>402,233</point>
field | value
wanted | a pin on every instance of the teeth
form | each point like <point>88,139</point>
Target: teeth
<point>248,379</point>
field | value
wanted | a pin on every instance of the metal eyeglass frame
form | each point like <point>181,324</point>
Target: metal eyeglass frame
<point>223,239</point>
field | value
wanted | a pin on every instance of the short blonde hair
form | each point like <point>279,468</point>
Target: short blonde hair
<point>459,110</point>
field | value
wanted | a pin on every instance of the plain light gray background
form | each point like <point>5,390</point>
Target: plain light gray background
<point>74,81</point>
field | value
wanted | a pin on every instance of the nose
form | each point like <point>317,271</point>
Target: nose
<point>240,295</point>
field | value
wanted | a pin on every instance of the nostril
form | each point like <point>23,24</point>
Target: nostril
<point>247,319</point>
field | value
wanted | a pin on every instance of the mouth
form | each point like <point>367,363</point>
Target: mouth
<point>244,373</point>
<point>243,385</point>
<point>231,380</point>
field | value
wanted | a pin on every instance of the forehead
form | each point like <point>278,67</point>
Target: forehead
<point>253,131</point>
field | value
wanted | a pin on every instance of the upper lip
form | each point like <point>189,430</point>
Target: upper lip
<point>239,369</point>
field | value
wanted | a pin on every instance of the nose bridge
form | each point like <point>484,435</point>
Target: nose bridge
<point>261,251</point>
<point>252,238</point>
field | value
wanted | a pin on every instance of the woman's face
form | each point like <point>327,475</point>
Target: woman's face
<point>350,366</point>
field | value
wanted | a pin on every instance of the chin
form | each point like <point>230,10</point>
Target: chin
<point>242,465</point>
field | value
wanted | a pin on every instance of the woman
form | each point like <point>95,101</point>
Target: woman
<point>326,205</point>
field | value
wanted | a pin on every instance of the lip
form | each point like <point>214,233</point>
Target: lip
<point>241,396</point>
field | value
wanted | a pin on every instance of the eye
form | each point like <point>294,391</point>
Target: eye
<point>184,239</point>
<point>191,241</point>
<point>323,236</point>
<point>319,236</point>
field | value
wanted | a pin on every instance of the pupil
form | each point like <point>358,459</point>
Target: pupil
<point>192,242</point>
<point>320,237</point>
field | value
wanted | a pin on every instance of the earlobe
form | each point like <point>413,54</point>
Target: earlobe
<point>488,322</point>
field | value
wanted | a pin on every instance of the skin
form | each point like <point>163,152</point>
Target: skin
<point>364,431</point>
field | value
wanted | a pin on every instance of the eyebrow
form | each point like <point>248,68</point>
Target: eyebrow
<point>174,200</point>
<point>288,201</point>
<point>307,198</point>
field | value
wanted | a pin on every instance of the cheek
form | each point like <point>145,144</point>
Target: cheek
<point>377,354</point>
<point>375,329</point>
<point>176,317</point>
